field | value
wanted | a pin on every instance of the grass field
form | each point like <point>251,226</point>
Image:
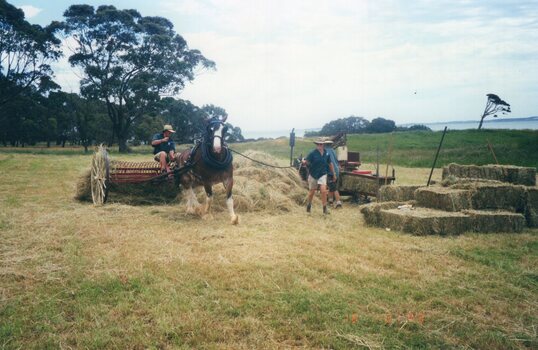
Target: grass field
<point>133,277</point>
<point>417,149</point>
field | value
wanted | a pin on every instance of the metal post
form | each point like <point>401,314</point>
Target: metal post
<point>436,155</point>
<point>377,162</point>
<point>389,157</point>
<point>292,144</point>
<point>492,152</point>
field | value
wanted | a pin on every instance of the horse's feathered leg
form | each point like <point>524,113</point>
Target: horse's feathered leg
<point>192,202</point>
<point>229,184</point>
<point>208,198</point>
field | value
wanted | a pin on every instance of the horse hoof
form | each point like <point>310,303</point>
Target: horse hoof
<point>235,220</point>
<point>191,211</point>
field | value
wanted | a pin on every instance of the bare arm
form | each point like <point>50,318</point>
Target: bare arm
<point>158,142</point>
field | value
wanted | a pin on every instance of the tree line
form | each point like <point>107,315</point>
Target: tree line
<point>129,66</point>
<point>361,125</point>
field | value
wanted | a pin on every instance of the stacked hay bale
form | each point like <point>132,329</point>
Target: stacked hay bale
<point>397,193</point>
<point>495,221</point>
<point>504,173</point>
<point>448,199</point>
<point>480,199</point>
<point>531,206</point>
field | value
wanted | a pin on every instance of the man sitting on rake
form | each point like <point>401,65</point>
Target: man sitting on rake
<point>164,148</point>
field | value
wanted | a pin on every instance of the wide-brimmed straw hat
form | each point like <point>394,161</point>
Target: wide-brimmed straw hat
<point>319,141</point>
<point>168,127</point>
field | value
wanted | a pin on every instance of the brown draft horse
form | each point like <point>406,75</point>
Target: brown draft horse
<point>211,163</point>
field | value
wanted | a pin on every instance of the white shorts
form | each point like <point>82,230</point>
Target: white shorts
<point>313,183</point>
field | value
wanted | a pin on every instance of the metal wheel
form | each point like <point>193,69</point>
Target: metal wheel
<point>100,176</point>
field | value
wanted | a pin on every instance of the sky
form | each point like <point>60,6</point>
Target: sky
<point>283,64</point>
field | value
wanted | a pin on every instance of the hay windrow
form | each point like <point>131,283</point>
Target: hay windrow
<point>261,188</point>
<point>504,173</point>
<point>402,193</point>
<point>83,191</point>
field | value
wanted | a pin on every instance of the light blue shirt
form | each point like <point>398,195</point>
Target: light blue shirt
<point>334,161</point>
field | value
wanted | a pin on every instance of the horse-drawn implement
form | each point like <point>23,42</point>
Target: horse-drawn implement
<point>208,163</point>
<point>107,174</point>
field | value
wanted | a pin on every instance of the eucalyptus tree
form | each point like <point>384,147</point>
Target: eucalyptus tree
<point>26,52</point>
<point>350,125</point>
<point>494,105</point>
<point>128,61</point>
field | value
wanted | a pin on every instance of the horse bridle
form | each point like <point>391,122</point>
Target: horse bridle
<point>213,134</point>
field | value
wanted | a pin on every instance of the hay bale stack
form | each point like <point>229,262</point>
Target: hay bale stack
<point>442,198</point>
<point>392,193</point>
<point>423,221</point>
<point>372,211</point>
<point>504,173</point>
<point>531,206</point>
<point>496,196</point>
<point>495,221</point>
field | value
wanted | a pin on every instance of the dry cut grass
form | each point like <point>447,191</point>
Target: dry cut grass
<point>121,276</point>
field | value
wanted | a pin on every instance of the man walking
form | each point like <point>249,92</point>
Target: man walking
<point>332,181</point>
<point>319,165</point>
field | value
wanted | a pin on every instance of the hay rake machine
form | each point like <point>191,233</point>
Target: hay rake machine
<point>107,174</point>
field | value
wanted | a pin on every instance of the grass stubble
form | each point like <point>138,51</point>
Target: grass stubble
<point>120,276</point>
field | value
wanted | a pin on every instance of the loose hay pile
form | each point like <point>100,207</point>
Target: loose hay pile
<point>262,188</point>
<point>256,188</point>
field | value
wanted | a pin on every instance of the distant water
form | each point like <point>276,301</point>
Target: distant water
<point>249,134</point>
<point>517,124</point>
<point>505,123</point>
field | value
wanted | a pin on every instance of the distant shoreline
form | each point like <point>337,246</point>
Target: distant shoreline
<point>486,121</point>
<point>494,123</point>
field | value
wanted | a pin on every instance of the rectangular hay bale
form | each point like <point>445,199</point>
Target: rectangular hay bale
<point>356,183</point>
<point>423,221</point>
<point>498,196</point>
<point>442,198</point>
<point>495,221</point>
<point>371,211</point>
<point>397,193</point>
<point>531,206</point>
<point>505,173</point>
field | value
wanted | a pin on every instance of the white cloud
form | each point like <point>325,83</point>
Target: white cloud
<point>30,11</point>
<point>301,64</point>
